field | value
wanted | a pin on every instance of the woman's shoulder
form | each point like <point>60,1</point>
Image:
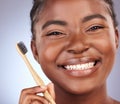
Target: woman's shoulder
<point>116,102</point>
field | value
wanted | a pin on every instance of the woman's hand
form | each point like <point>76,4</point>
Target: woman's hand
<point>30,95</point>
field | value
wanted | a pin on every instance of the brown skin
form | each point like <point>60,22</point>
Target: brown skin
<point>76,40</point>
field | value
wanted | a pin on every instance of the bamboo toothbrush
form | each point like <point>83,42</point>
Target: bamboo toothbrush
<point>22,50</point>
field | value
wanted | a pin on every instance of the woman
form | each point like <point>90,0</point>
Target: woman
<point>75,42</point>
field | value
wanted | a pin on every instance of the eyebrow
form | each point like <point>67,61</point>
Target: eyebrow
<point>54,22</point>
<point>90,17</point>
<point>63,23</point>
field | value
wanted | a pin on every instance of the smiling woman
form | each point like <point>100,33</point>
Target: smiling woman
<point>75,43</point>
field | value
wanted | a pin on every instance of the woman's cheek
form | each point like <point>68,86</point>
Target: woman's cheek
<point>50,52</point>
<point>104,45</point>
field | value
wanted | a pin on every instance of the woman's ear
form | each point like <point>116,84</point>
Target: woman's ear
<point>34,50</point>
<point>117,37</point>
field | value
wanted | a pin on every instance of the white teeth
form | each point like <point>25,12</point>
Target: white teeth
<point>80,66</point>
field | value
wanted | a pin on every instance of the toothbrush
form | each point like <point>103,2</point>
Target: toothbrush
<point>22,50</point>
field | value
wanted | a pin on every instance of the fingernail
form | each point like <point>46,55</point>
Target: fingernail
<point>43,87</point>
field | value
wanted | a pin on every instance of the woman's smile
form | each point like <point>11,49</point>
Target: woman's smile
<point>80,67</point>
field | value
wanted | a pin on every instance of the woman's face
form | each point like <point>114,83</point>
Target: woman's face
<point>75,44</point>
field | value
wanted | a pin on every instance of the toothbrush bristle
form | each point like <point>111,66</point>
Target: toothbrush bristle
<point>22,47</point>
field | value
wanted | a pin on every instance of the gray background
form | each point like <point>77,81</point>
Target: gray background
<point>14,75</point>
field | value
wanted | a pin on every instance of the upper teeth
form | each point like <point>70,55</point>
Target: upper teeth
<point>80,66</point>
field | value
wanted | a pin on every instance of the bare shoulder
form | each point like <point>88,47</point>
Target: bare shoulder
<point>117,102</point>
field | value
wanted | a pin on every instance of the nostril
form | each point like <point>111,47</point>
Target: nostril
<point>77,51</point>
<point>71,51</point>
<point>86,49</point>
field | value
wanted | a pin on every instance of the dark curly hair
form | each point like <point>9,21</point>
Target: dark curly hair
<point>38,6</point>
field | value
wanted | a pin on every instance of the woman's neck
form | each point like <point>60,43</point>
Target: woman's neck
<point>98,96</point>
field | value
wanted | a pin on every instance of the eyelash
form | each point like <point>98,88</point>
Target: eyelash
<point>54,33</point>
<point>95,28</point>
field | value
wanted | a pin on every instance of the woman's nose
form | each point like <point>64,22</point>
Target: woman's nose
<point>78,45</point>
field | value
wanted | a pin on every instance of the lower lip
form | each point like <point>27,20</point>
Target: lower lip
<point>82,73</point>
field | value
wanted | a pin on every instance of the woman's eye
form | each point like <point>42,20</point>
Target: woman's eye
<point>95,28</point>
<point>55,33</point>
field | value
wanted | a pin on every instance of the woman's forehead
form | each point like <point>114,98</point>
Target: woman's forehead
<point>61,5</point>
<point>66,7</point>
<point>78,11</point>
